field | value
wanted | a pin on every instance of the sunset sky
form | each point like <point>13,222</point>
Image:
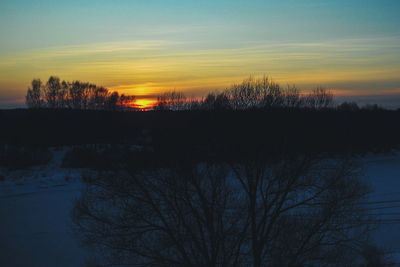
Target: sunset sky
<point>144,47</point>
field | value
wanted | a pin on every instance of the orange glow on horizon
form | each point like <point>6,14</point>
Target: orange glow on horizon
<point>145,103</point>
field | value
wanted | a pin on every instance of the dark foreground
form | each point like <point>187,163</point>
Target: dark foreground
<point>254,188</point>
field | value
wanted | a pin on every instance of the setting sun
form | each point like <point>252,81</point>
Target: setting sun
<point>145,103</point>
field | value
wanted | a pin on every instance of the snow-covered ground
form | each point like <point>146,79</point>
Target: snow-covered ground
<point>35,225</point>
<point>35,205</point>
<point>383,174</point>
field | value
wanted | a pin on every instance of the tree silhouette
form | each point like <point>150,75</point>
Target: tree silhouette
<point>164,217</point>
<point>125,101</point>
<point>112,101</point>
<point>75,95</point>
<point>292,98</point>
<point>216,101</point>
<point>348,106</point>
<point>291,212</point>
<point>301,211</point>
<point>248,94</point>
<point>52,92</point>
<point>34,95</point>
<point>319,98</point>
<point>78,95</point>
<point>171,101</point>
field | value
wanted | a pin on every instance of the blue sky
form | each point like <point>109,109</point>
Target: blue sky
<point>145,47</point>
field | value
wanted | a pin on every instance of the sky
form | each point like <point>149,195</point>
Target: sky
<point>146,47</point>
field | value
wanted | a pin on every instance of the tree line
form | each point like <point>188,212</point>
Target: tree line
<point>57,94</point>
<point>258,93</point>
<point>251,93</point>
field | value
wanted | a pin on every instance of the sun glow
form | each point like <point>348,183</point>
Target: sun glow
<point>145,103</point>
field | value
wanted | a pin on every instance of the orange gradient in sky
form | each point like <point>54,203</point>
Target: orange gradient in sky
<point>148,68</point>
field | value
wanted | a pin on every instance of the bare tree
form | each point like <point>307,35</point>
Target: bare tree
<point>256,93</point>
<point>301,210</point>
<point>168,217</point>
<point>292,97</point>
<point>319,98</point>
<point>98,97</point>
<point>209,101</point>
<point>273,97</point>
<point>62,97</point>
<point>112,101</point>
<point>171,101</point>
<point>249,93</point>
<point>289,212</point>
<point>34,95</point>
<point>78,95</point>
<point>125,101</point>
<point>216,101</point>
<point>193,104</point>
<point>52,91</point>
<point>222,102</point>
